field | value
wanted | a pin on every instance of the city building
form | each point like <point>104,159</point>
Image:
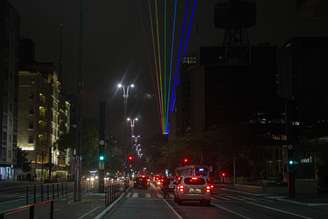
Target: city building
<point>39,118</point>
<point>237,97</point>
<point>9,40</point>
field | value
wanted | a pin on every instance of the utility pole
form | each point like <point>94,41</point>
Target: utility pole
<point>80,86</point>
<point>102,139</point>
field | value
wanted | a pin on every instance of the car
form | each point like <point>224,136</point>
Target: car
<point>141,182</point>
<point>192,188</point>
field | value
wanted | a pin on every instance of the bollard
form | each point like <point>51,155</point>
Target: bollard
<point>47,191</point>
<point>31,212</point>
<point>57,190</point>
<point>106,198</point>
<point>27,195</point>
<point>34,193</point>
<point>51,209</point>
<point>41,191</point>
<point>110,194</point>
<point>53,191</point>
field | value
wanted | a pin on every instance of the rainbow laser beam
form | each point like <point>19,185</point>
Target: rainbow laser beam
<point>167,64</point>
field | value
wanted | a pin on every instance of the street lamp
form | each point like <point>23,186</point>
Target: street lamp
<point>132,123</point>
<point>135,138</point>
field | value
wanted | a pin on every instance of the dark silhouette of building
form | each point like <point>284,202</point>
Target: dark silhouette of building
<point>9,43</point>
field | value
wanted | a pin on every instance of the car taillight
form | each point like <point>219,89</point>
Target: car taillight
<point>158,183</point>
<point>181,189</point>
<point>208,188</point>
<point>212,186</point>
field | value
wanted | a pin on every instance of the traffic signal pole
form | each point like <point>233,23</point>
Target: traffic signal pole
<point>291,143</point>
<point>102,153</point>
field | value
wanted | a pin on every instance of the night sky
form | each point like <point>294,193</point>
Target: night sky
<point>116,42</point>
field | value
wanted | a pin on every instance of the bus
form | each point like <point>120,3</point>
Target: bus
<point>193,170</point>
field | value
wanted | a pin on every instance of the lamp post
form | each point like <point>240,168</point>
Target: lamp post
<point>125,89</point>
<point>132,124</point>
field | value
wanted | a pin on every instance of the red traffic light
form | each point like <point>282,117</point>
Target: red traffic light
<point>130,157</point>
<point>223,174</point>
<point>185,160</point>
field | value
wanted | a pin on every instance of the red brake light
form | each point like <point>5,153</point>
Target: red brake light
<point>208,188</point>
<point>180,187</point>
<point>212,186</point>
<point>143,176</point>
<point>194,178</point>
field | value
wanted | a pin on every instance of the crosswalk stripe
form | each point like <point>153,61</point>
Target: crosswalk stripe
<point>148,195</point>
<point>129,195</point>
<point>135,195</point>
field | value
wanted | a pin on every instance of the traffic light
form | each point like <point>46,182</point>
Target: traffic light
<point>101,157</point>
<point>185,161</point>
<point>130,158</point>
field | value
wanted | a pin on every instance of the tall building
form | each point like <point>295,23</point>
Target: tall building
<point>38,117</point>
<point>9,40</point>
<point>235,96</point>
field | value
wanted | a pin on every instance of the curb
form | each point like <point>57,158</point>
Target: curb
<point>106,210</point>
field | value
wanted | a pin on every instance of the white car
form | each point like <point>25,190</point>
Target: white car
<point>192,188</point>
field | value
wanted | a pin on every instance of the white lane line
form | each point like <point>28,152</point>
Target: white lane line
<point>278,210</point>
<point>172,209</point>
<point>102,214</point>
<point>135,195</point>
<point>223,198</point>
<point>302,203</point>
<point>230,211</point>
<point>148,195</point>
<point>89,212</point>
<point>159,195</point>
<point>242,192</point>
<point>248,198</point>
<point>129,195</point>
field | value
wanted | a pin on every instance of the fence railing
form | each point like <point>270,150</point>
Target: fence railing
<point>41,192</point>
<point>31,209</point>
<point>112,192</point>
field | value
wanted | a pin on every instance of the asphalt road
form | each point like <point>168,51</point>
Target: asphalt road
<point>226,203</point>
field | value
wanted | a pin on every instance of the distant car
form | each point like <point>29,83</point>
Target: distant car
<point>141,182</point>
<point>191,188</point>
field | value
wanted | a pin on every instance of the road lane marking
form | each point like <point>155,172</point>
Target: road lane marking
<point>135,195</point>
<point>247,198</point>
<point>172,209</point>
<point>230,211</point>
<point>278,210</point>
<point>302,203</point>
<point>106,210</point>
<point>148,195</point>
<point>89,212</point>
<point>242,192</point>
<point>129,195</point>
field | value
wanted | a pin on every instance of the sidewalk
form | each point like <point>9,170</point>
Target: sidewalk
<point>90,206</point>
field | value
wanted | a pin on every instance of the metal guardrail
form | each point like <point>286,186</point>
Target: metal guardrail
<point>45,192</point>
<point>31,208</point>
<point>112,192</point>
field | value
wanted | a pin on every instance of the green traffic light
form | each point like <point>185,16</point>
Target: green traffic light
<point>101,157</point>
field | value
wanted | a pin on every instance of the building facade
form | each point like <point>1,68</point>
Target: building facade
<point>9,40</point>
<point>39,117</point>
